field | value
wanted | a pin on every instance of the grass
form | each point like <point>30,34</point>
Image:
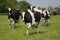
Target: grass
<point>51,32</point>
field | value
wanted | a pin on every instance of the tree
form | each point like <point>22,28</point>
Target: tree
<point>57,9</point>
<point>24,5</point>
<point>43,9</point>
<point>11,3</point>
<point>50,8</point>
<point>2,5</point>
<point>7,3</point>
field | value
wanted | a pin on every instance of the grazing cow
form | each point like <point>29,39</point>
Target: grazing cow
<point>45,17</point>
<point>32,19</point>
<point>13,17</point>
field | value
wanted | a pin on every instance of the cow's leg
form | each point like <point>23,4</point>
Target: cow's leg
<point>42,21</point>
<point>18,22</point>
<point>28,28</point>
<point>38,30</point>
<point>13,24</point>
<point>10,23</point>
<point>47,23</point>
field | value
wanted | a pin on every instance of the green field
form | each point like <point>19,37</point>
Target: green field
<point>51,32</point>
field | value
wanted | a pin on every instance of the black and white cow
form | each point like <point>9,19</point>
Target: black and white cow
<point>54,13</point>
<point>46,17</point>
<point>13,17</point>
<point>45,14</point>
<point>32,18</point>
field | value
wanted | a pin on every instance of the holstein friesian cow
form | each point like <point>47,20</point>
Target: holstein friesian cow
<point>54,13</point>
<point>46,17</point>
<point>32,18</point>
<point>13,17</point>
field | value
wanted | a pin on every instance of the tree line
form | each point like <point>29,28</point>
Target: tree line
<point>4,4</point>
<point>23,6</point>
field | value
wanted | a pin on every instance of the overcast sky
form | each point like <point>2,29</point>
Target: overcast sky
<point>44,3</point>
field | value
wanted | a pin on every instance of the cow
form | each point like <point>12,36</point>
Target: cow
<point>32,18</point>
<point>54,13</point>
<point>46,17</point>
<point>13,17</point>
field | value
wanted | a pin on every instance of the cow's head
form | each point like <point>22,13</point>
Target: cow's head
<point>46,12</point>
<point>9,9</point>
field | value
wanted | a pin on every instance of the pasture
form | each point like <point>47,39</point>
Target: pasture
<point>51,32</point>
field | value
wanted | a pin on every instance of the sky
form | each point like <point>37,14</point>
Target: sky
<point>44,3</point>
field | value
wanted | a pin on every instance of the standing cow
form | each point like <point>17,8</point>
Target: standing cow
<point>13,17</point>
<point>46,17</point>
<point>32,18</point>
